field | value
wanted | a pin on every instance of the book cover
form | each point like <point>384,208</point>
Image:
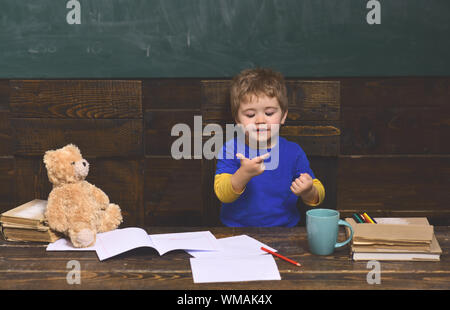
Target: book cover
<point>11,233</point>
<point>30,214</point>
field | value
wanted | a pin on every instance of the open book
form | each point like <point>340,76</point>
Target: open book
<point>112,243</point>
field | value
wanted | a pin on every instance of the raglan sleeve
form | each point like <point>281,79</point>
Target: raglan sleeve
<point>227,165</point>
<point>302,166</point>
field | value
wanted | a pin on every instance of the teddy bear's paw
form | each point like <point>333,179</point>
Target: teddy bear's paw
<point>84,238</point>
<point>111,219</point>
<point>115,214</point>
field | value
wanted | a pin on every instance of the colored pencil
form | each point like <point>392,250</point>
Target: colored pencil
<point>357,218</point>
<point>363,219</point>
<point>281,256</point>
<point>368,219</point>
<point>371,218</point>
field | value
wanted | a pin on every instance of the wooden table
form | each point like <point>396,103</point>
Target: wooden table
<point>29,266</point>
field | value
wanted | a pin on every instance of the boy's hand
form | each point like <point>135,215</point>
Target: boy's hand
<point>252,167</point>
<point>303,186</point>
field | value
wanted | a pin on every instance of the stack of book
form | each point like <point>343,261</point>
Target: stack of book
<point>394,239</point>
<point>27,223</point>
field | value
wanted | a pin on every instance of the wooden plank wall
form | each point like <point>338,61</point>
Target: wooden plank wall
<point>395,150</point>
<point>104,118</point>
<point>377,144</point>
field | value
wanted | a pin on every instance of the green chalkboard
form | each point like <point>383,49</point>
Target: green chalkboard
<point>218,38</point>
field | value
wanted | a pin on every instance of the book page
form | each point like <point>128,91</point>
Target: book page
<point>396,256</point>
<point>118,241</point>
<point>31,210</point>
<point>402,220</point>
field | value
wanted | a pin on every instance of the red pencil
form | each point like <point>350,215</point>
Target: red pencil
<point>281,256</point>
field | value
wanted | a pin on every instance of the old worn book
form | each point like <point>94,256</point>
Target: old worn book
<point>400,231</point>
<point>433,254</point>
<point>27,223</point>
<point>26,233</point>
<point>395,239</point>
<point>30,214</point>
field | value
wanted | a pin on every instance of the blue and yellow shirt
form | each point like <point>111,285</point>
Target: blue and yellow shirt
<point>267,200</point>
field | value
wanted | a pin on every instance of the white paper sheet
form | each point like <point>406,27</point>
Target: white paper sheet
<point>234,269</point>
<point>236,246</point>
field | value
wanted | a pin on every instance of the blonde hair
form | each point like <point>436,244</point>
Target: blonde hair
<point>256,82</point>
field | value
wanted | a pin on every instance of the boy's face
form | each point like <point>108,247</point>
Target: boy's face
<point>261,116</point>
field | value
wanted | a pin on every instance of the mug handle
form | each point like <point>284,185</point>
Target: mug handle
<point>339,244</point>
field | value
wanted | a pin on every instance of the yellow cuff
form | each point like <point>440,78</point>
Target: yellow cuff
<point>223,188</point>
<point>320,190</point>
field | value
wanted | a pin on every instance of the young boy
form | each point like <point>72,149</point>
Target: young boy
<point>252,195</point>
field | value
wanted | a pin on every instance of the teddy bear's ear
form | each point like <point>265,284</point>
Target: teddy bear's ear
<point>48,156</point>
<point>72,148</point>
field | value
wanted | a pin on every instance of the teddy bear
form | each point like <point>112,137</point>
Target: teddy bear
<point>75,207</point>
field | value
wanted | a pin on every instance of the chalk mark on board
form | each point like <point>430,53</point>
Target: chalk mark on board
<point>189,38</point>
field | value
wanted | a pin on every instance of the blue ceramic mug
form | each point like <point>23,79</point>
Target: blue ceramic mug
<point>322,229</point>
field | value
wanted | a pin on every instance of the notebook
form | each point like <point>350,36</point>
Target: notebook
<point>112,243</point>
